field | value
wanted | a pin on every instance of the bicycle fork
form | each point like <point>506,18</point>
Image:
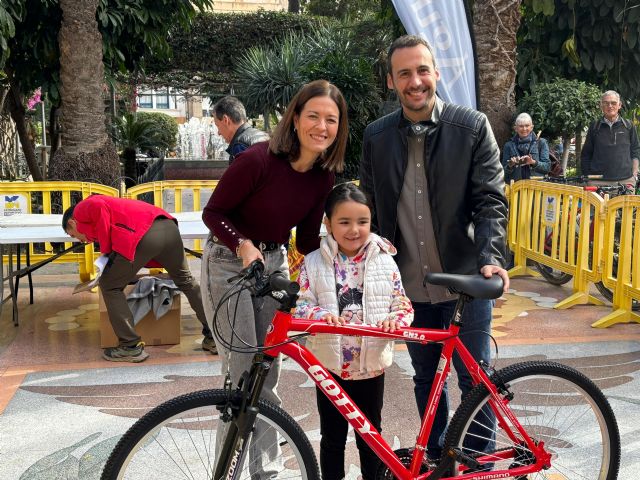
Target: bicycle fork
<point>239,419</point>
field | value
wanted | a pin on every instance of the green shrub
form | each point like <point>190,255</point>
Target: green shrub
<point>165,125</point>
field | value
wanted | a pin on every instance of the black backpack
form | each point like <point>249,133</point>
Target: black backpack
<point>555,169</point>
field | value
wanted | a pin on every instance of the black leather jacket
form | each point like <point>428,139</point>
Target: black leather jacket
<point>244,137</point>
<point>466,185</point>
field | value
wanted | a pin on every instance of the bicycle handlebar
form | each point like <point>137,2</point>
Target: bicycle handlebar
<point>266,283</point>
<point>280,281</point>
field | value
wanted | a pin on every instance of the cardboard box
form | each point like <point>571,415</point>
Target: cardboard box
<point>162,331</point>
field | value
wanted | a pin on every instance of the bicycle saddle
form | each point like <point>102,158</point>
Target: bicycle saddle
<point>476,286</point>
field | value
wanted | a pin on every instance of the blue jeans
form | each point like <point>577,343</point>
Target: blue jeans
<point>476,318</point>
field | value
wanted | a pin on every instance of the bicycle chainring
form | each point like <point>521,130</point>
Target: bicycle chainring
<point>404,454</point>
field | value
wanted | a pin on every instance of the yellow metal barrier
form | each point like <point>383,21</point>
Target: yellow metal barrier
<point>621,258</point>
<point>161,195</point>
<point>45,196</point>
<point>558,226</point>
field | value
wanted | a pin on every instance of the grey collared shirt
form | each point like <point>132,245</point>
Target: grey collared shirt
<point>416,242</point>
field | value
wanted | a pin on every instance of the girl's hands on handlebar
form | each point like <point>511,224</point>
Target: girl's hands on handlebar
<point>332,319</point>
<point>389,325</point>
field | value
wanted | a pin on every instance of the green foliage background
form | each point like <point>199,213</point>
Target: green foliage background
<point>204,58</point>
<point>269,77</point>
<point>562,107</point>
<point>165,126</point>
<point>596,41</point>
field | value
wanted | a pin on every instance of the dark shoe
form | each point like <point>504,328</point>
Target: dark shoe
<point>126,354</point>
<point>209,345</point>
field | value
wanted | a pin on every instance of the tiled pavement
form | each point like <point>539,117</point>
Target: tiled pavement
<point>62,407</point>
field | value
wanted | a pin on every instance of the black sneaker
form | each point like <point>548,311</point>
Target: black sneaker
<point>209,345</point>
<point>134,354</point>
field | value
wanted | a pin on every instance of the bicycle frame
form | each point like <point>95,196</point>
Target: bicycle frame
<point>277,338</point>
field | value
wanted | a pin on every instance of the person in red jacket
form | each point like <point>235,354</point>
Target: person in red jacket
<point>134,234</point>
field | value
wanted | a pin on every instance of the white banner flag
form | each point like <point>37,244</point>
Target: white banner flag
<point>443,23</point>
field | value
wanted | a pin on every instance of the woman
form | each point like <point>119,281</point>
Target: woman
<point>525,155</point>
<point>269,189</point>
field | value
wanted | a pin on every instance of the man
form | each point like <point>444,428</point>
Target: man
<point>433,173</point>
<point>134,234</point>
<point>230,118</point>
<point>611,148</point>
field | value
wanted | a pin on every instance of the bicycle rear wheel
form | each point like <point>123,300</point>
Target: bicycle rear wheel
<point>551,275</point>
<point>177,440</point>
<point>556,405</point>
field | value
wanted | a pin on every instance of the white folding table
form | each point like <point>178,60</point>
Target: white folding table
<point>14,234</point>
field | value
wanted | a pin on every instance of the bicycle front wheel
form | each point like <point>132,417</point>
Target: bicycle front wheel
<point>177,440</point>
<point>556,405</point>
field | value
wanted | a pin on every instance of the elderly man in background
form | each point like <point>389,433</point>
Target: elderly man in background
<point>611,148</point>
<point>230,118</point>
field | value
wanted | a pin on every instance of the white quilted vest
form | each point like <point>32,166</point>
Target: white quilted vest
<point>376,354</point>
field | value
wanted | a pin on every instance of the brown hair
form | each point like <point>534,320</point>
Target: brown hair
<point>408,41</point>
<point>285,140</point>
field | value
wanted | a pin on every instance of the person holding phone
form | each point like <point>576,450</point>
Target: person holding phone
<point>525,154</point>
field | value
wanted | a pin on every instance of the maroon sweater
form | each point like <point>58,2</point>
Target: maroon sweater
<point>261,197</point>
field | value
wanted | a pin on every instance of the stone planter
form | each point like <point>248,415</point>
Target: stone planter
<point>177,169</point>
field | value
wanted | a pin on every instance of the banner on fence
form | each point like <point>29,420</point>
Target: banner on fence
<point>10,204</point>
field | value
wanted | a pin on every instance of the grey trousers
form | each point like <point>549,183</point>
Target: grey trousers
<point>249,318</point>
<point>162,243</point>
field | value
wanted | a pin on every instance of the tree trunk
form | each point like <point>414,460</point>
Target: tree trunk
<point>17,111</point>
<point>294,6</point>
<point>578,144</point>
<point>341,11</point>
<point>267,121</point>
<point>496,24</point>
<point>566,144</point>
<point>87,152</point>
<point>130,167</point>
<point>8,170</point>
<point>54,130</point>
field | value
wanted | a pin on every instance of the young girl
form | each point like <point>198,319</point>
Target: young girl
<point>351,278</point>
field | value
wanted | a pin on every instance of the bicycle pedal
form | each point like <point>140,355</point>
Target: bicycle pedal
<point>461,457</point>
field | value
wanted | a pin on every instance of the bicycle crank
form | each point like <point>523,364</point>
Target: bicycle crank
<point>404,454</point>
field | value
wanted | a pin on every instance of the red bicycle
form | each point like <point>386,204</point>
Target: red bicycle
<point>535,419</point>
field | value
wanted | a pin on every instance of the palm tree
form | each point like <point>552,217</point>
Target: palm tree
<point>496,24</point>
<point>87,152</point>
<point>133,133</point>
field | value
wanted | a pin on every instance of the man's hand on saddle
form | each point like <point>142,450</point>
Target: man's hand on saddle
<point>489,270</point>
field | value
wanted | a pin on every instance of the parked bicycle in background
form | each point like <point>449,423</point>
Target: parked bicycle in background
<point>558,277</point>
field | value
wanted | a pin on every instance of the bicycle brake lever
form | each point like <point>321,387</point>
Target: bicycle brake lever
<point>255,268</point>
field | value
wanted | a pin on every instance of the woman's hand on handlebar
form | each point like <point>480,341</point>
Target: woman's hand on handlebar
<point>249,253</point>
<point>489,270</point>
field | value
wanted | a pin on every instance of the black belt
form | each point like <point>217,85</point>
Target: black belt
<point>260,245</point>
<point>266,246</point>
